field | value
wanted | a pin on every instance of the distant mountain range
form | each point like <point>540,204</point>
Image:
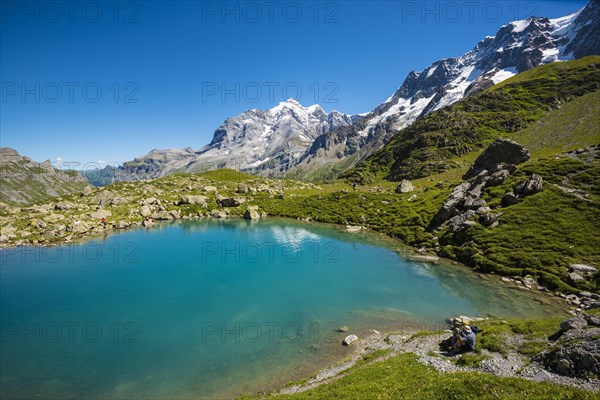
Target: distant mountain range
<point>24,181</point>
<point>308,143</point>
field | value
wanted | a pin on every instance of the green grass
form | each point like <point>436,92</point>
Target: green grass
<point>373,355</point>
<point>542,235</point>
<point>532,348</point>
<point>535,332</point>
<point>403,377</point>
<point>430,145</point>
<point>574,125</point>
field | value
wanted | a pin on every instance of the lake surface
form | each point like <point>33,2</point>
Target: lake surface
<point>213,309</point>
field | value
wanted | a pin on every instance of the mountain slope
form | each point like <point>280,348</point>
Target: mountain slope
<point>23,181</point>
<point>268,142</point>
<point>517,47</point>
<point>427,146</point>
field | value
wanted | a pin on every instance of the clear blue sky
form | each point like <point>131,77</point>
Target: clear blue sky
<point>169,73</point>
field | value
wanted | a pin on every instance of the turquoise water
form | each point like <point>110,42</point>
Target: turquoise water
<point>212,309</point>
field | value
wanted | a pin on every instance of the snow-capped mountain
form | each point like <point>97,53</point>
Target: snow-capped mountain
<point>260,141</point>
<point>292,138</point>
<point>269,142</point>
<point>517,47</point>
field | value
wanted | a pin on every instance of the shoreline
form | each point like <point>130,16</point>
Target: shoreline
<point>385,345</point>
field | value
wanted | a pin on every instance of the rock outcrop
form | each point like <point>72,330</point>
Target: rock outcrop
<point>491,168</point>
<point>194,200</point>
<point>576,352</point>
<point>502,151</point>
<point>529,186</point>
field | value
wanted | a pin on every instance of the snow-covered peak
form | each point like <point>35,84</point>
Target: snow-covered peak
<point>516,47</point>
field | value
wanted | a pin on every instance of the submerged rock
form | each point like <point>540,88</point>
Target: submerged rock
<point>348,340</point>
<point>354,229</point>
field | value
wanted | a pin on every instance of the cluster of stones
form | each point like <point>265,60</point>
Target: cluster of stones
<point>94,213</point>
<point>491,168</point>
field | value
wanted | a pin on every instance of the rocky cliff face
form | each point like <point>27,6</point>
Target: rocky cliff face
<point>24,181</point>
<point>268,142</point>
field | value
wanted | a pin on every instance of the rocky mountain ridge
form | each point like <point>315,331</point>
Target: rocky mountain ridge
<point>24,181</point>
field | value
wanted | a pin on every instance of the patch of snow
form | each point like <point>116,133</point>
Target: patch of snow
<point>266,132</point>
<point>259,162</point>
<point>504,74</point>
<point>431,71</point>
<point>520,26</point>
<point>409,111</point>
<point>550,55</point>
<point>455,90</point>
<point>562,24</point>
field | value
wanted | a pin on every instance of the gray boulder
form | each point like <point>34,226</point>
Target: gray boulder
<point>193,200</point>
<point>252,213</point>
<point>576,354</point>
<point>499,152</point>
<point>65,205</point>
<point>489,218</point>
<point>145,211</point>
<point>583,269</point>
<point>165,215</point>
<point>100,214</point>
<point>529,186</point>
<point>577,322</point>
<point>498,177</point>
<point>230,201</point>
<point>575,277</point>
<point>348,340</point>
<point>509,199</point>
<point>592,320</point>
<point>405,186</point>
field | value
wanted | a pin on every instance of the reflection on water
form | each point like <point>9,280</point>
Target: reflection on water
<point>216,308</point>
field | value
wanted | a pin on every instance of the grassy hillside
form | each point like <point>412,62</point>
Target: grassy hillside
<point>430,145</point>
